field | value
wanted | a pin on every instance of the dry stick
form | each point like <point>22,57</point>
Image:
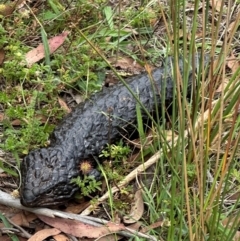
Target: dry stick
<point>24,233</point>
<point>141,168</point>
<point>9,200</point>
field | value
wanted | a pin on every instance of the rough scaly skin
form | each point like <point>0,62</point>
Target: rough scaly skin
<point>47,172</point>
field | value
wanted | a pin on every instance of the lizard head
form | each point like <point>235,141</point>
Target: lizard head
<point>46,177</point>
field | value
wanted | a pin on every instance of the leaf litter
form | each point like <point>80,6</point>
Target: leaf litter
<point>36,54</point>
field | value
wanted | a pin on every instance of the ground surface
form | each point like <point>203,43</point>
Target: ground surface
<point>39,87</point>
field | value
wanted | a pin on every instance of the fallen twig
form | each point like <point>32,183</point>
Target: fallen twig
<point>8,200</point>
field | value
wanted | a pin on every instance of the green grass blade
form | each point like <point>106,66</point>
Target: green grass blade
<point>140,127</point>
<point>109,16</point>
<point>8,225</point>
<point>46,46</point>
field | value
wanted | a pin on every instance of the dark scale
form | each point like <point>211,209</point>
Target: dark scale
<point>102,119</point>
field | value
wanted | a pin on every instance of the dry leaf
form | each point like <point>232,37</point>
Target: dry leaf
<point>126,64</point>
<point>236,237</point>
<point>1,117</point>
<point>5,238</point>
<point>197,36</point>
<point>21,239</point>
<point>147,142</point>
<point>78,229</point>
<point>44,233</point>
<point>2,56</point>
<point>16,122</point>
<point>231,222</point>
<point>233,63</point>
<point>22,219</point>
<point>42,118</point>
<point>137,209</point>
<point>231,26</point>
<point>61,237</point>
<point>129,29</point>
<point>222,86</point>
<point>78,98</point>
<point>135,226</point>
<point>6,10</point>
<point>234,197</point>
<point>63,104</point>
<point>37,54</point>
<point>190,6</point>
<point>110,237</point>
<point>77,208</point>
<point>152,226</point>
<point>180,33</point>
<point>216,4</point>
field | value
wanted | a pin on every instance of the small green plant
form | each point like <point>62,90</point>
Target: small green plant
<point>116,152</point>
<point>87,184</point>
<point>112,174</point>
<point>30,120</point>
